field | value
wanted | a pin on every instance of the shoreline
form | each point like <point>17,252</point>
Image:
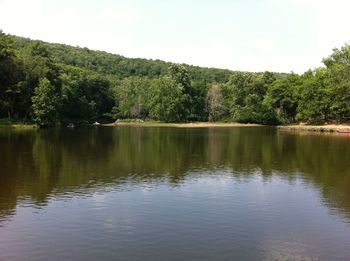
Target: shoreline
<point>13,124</point>
<point>18,126</point>
<point>331,128</point>
<point>334,128</point>
<point>183,125</point>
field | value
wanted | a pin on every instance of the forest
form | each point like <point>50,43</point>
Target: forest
<point>52,84</point>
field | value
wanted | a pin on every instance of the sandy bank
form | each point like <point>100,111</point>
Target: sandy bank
<point>340,128</point>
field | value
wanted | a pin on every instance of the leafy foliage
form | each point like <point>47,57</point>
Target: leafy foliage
<point>244,95</point>
<point>283,95</point>
<point>45,102</point>
<point>167,101</point>
<point>132,98</point>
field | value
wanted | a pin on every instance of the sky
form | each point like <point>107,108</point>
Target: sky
<point>246,35</point>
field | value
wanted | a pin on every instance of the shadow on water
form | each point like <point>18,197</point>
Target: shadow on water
<point>39,164</point>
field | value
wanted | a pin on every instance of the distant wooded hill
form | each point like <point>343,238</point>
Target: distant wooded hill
<point>55,83</point>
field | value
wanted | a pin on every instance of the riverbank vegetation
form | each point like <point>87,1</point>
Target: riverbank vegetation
<point>50,84</point>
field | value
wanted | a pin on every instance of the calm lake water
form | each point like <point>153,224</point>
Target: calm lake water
<point>132,193</point>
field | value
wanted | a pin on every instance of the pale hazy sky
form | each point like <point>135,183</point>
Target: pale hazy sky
<point>252,35</point>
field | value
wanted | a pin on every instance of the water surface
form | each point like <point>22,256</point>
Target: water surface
<point>133,193</point>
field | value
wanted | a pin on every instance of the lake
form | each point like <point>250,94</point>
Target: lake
<point>158,193</point>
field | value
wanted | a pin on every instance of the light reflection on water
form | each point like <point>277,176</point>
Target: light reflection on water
<point>177,194</point>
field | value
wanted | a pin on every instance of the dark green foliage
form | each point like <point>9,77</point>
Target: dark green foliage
<point>10,77</point>
<point>199,99</point>
<point>119,66</point>
<point>85,95</point>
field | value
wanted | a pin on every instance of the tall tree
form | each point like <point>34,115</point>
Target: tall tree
<point>179,74</point>
<point>338,65</point>
<point>132,96</point>
<point>316,96</point>
<point>283,96</point>
<point>45,103</point>
<point>166,102</point>
<point>244,95</point>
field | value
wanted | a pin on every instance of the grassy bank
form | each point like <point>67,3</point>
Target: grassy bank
<point>340,128</point>
<point>15,124</point>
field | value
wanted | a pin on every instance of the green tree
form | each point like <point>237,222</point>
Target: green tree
<point>244,95</point>
<point>166,102</point>
<point>132,97</point>
<point>199,98</point>
<point>316,96</point>
<point>86,95</point>
<point>283,96</point>
<point>45,102</point>
<point>37,64</point>
<point>179,74</point>
<point>10,77</point>
<point>338,66</point>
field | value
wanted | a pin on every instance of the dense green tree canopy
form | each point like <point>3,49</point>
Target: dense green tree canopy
<point>55,83</point>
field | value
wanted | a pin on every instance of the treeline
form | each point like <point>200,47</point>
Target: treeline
<point>53,84</point>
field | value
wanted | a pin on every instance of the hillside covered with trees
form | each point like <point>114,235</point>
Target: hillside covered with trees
<point>52,84</point>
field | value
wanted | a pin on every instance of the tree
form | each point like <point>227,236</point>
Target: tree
<point>166,102</point>
<point>86,95</point>
<point>131,95</point>
<point>338,66</point>
<point>37,64</point>
<point>316,96</point>
<point>180,75</point>
<point>45,102</point>
<point>10,77</point>
<point>283,96</point>
<point>244,95</point>
<point>215,103</point>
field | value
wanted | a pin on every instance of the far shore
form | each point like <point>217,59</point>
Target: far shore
<point>182,125</point>
<point>336,128</point>
<point>329,128</point>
